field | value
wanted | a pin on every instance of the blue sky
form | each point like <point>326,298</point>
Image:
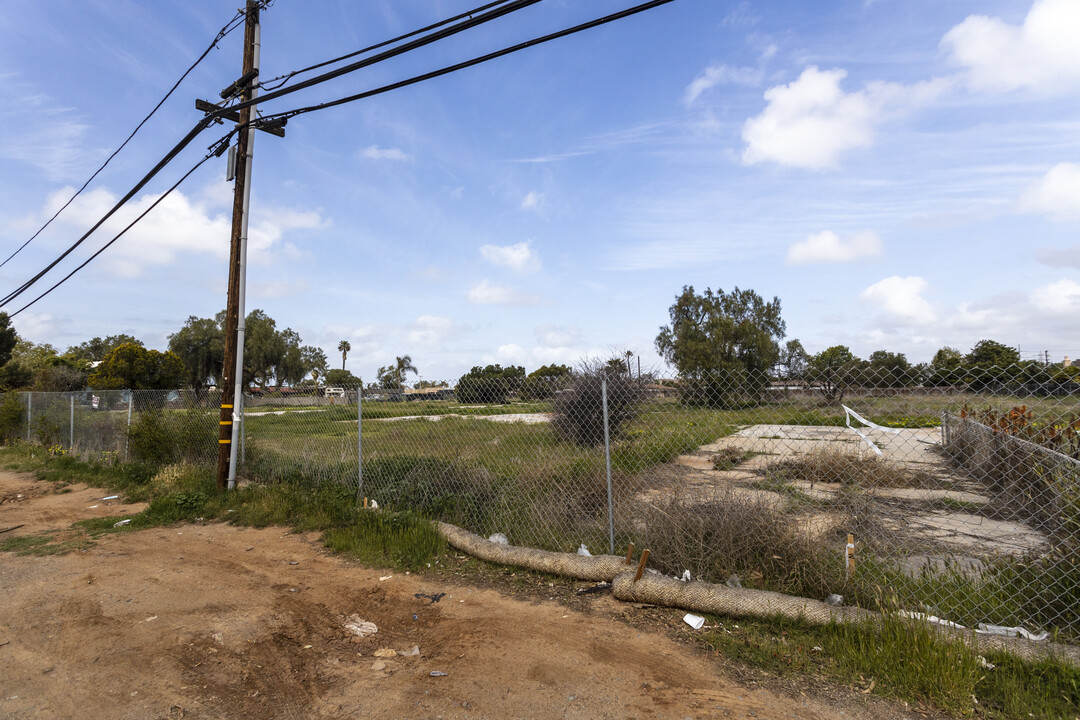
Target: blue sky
<point>903,175</point>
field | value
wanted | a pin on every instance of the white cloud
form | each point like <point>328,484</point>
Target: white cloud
<point>1056,194</point>
<point>179,225</point>
<point>900,300</point>
<point>486,293</point>
<point>550,335</point>
<point>431,330</point>
<point>1058,298</point>
<point>828,247</point>
<point>1059,256</point>
<point>532,201</point>
<point>1041,54</point>
<point>52,142</point>
<point>511,354</point>
<point>374,152</point>
<point>715,75</point>
<point>812,121</point>
<point>519,256</point>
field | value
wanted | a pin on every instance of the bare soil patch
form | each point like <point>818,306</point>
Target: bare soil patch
<point>215,621</point>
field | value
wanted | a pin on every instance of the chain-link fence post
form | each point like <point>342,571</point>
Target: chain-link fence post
<point>127,435</point>
<point>71,427</point>
<point>29,413</point>
<point>243,450</point>
<point>607,459</point>
<point>359,440</point>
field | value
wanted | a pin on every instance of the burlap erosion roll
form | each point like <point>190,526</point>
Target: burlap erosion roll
<point>581,567</point>
<point>723,600</point>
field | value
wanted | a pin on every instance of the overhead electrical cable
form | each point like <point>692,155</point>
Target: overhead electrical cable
<point>199,127</point>
<point>120,234</point>
<point>491,14</point>
<point>270,118</point>
<point>503,9</point>
<point>471,22</point>
<point>234,23</point>
<point>281,80</point>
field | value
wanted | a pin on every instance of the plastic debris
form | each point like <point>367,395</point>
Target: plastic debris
<point>437,673</point>
<point>685,576</point>
<point>835,600</point>
<point>410,653</point>
<point>931,619</point>
<point>374,505</point>
<point>599,587</point>
<point>499,538</point>
<point>385,577</point>
<point>1008,631</point>
<point>986,664</point>
<point>584,551</point>
<point>694,621</point>
<point>433,598</point>
<point>360,627</point>
<point>111,497</point>
<point>122,522</point>
<point>734,582</point>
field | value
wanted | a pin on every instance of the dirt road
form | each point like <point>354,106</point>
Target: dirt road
<point>214,621</point>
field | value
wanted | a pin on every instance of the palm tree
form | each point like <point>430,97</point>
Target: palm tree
<point>402,365</point>
<point>344,347</point>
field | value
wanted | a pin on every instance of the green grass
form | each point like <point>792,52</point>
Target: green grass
<point>903,660</point>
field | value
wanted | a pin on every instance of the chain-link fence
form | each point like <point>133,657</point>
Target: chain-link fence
<point>960,500</point>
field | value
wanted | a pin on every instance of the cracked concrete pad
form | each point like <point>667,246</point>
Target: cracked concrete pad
<point>977,533</point>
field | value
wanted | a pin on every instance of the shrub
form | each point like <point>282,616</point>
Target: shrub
<point>159,438</point>
<point>579,410</point>
<point>491,384</point>
<point>12,416</point>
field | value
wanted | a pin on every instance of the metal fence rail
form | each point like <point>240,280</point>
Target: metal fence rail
<point>960,499</point>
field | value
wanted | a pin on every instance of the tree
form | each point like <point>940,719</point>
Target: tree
<point>946,367</point>
<point>793,361</point>
<point>403,365</point>
<point>264,348</point>
<point>990,353</point>
<point>339,378</point>
<point>833,371</point>
<point>722,344</point>
<point>96,349</point>
<point>289,368</point>
<point>490,384</point>
<point>8,338</point>
<point>315,362</point>
<point>887,369</point>
<point>542,383</point>
<point>133,367</point>
<point>200,345</point>
<point>344,347</point>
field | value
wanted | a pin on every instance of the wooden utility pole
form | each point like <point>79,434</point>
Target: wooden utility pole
<point>239,232</point>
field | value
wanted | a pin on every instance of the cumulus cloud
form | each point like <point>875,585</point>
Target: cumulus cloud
<point>179,225</point>
<point>900,300</point>
<point>374,152</point>
<point>431,330</point>
<point>812,121</point>
<point>519,256</point>
<point>550,335</point>
<point>487,293</point>
<point>828,247</point>
<point>1041,54</point>
<point>1056,194</point>
<point>1061,297</point>
<point>532,201</point>
<point>715,75</point>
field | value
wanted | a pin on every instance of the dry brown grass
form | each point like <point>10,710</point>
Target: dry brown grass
<point>850,470</point>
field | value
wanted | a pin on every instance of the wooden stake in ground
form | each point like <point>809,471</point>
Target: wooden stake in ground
<point>641,564</point>
<point>630,554</point>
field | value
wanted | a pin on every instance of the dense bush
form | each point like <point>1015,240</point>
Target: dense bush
<point>491,384</point>
<point>542,383</point>
<point>579,409</point>
<point>164,437</point>
<point>12,416</point>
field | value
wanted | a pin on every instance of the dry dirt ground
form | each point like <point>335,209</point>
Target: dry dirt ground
<point>215,621</point>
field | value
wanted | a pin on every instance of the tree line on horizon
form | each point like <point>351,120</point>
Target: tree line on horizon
<point>723,345</point>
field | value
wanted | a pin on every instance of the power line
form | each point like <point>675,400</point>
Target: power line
<point>462,65</point>
<point>120,234</point>
<point>471,22</point>
<point>225,30</point>
<point>491,14</point>
<point>284,79</point>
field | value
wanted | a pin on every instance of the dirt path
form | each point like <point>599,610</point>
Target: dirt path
<point>213,621</point>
